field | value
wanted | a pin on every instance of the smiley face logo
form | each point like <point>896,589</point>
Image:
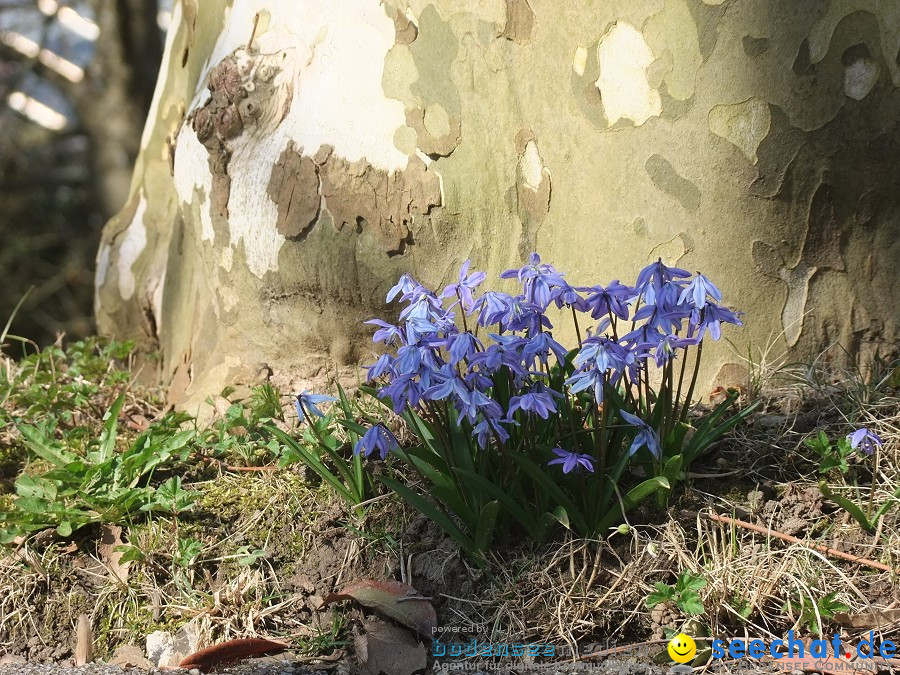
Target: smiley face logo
<point>682,648</point>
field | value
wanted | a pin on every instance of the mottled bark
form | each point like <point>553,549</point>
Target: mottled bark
<point>290,172</point>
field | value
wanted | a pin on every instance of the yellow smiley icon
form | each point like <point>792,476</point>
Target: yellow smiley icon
<point>682,648</point>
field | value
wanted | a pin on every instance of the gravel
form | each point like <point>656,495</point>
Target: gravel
<point>272,667</point>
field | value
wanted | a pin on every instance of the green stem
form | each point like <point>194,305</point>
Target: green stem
<point>690,392</point>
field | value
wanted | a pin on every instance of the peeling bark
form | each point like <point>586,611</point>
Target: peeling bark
<point>300,157</point>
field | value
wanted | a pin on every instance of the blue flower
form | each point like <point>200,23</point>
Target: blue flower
<point>307,403</point>
<point>569,296</point>
<point>711,317</point>
<point>384,365</point>
<point>697,291</point>
<point>464,286</point>
<point>537,280</point>
<point>540,346</point>
<point>403,390</point>
<point>538,401</point>
<point>462,346</point>
<point>654,275</point>
<point>571,461</point>
<point>646,435</point>
<point>407,287</point>
<point>492,306</point>
<point>866,440</point>
<point>610,300</point>
<point>489,428</point>
<point>387,333</point>
<point>376,438</point>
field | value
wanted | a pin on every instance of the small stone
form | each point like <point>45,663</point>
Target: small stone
<point>194,671</point>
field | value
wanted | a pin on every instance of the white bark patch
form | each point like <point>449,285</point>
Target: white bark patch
<point>860,77</point>
<point>334,53</point>
<point>532,167</point>
<point>132,245</point>
<point>743,124</point>
<point>797,280</point>
<point>579,61</point>
<point>191,172</point>
<point>624,57</point>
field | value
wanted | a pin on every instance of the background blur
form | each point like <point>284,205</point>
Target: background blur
<point>76,80</point>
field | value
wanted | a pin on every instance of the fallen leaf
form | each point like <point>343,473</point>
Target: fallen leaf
<point>389,649</point>
<point>867,619</point>
<point>110,539</point>
<point>223,653</point>
<point>399,601</point>
<point>84,642</point>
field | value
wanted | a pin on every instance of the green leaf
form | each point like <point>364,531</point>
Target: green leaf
<point>439,518</point>
<point>45,447</point>
<point>663,593</point>
<point>850,507</point>
<point>552,490</point>
<point>635,496</point>
<point>484,533</point>
<point>108,436</point>
<point>689,602</point>
<point>28,486</point>
<point>313,463</point>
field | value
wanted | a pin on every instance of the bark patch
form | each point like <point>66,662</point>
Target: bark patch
<point>664,176</point>
<point>247,95</point>
<point>356,194</point>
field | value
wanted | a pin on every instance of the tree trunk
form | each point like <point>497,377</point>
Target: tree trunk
<point>299,157</point>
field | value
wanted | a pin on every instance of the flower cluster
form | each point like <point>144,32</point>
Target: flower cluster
<point>453,345</point>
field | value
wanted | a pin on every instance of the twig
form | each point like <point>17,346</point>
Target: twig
<point>791,539</point>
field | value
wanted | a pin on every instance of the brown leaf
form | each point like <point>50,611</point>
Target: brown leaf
<point>868,619</point>
<point>228,652</point>
<point>389,649</point>
<point>394,599</point>
<point>110,539</point>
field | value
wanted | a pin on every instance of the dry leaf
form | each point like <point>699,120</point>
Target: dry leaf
<point>389,649</point>
<point>229,652</point>
<point>868,619</point>
<point>110,539</point>
<point>399,601</point>
<point>84,643</point>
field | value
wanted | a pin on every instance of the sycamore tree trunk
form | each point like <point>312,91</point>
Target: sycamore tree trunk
<point>300,156</point>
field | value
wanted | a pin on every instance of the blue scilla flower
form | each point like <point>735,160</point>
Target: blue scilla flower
<point>383,366</point>
<point>711,318</point>
<point>537,280</point>
<point>492,306</point>
<point>697,291</point>
<point>464,286</point>
<point>488,429</point>
<point>307,403</point>
<point>403,390</point>
<point>646,436</point>
<point>407,288</point>
<point>866,440</point>
<point>462,346</point>
<point>565,295</point>
<point>539,347</point>
<point>387,333</point>
<point>572,461</point>
<point>654,275</point>
<point>538,401</point>
<point>613,299</point>
<point>601,352</point>
<point>377,438</point>
<point>667,348</point>
<point>522,315</point>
